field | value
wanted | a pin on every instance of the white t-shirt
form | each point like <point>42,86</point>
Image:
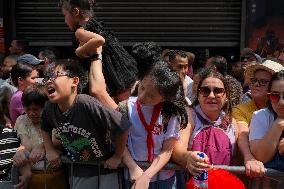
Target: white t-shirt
<point>189,83</point>
<point>260,123</point>
<point>137,138</point>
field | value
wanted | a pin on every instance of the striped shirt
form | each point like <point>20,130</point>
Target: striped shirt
<point>8,147</point>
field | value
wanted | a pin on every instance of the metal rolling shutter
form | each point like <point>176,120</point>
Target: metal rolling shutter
<point>193,23</point>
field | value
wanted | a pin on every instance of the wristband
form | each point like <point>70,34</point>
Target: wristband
<point>95,57</point>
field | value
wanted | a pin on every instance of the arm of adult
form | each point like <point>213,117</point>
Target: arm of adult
<point>98,85</point>
<point>281,147</point>
<point>158,163</point>
<point>254,168</point>
<point>120,143</point>
<point>52,154</point>
<point>265,147</point>
<point>37,153</point>
<point>182,156</point>
<point>24,177</point>
<point>89,42</point>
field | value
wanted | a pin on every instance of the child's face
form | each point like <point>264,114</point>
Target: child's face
<point>147,93</point>
<point>33,112</point>
<point>70,20</point>
<point>60,86</point>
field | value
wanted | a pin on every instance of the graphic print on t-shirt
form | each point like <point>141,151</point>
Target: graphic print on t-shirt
<point>79,143</point>
<point>157,129</point>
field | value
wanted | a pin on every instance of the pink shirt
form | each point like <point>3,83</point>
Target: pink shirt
<point>16,106</point>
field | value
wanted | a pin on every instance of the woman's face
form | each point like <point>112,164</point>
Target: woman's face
<point>33,111</point>
<point>212,96</point>
<point>277,88</point>
<point>259,84</point>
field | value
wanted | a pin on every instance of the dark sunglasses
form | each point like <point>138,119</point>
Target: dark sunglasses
<point>261,82</point>
<point>206,91</point>
<point>275,96</point>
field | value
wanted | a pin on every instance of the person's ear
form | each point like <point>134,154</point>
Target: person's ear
<point>75,81</point>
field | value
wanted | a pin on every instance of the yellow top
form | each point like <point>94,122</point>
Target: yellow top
<point>243,112</point>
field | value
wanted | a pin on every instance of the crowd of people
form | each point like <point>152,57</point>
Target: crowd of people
<point>110,106</point>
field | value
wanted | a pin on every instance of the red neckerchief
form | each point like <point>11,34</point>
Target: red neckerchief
<point>149,128</point>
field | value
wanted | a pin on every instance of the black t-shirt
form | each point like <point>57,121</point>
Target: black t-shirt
<point>85,129</point>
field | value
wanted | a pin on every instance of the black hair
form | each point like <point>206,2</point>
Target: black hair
<point>74,69</point>
<point>169,86</point>
<point>34,94</point>
<point>86,6</point>
<point>146,54</point>
<point>20,70</point>
<point>23,44</point>
<point>228,105</point>
<point>48,53</point>
<point>173,53</point>
<point>220,63</point>
<point>278,76</point>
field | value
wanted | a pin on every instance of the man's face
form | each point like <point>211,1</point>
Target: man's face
<point>7,65</point>
<point>14,49</point>
<point>180,65</point>
<point>247,60</point>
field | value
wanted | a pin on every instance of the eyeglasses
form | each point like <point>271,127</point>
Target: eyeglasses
<point>54,76</point>
<point>274,97</point>
<point>248,58</point>
<point>261,82</point>
<point>206,91</point>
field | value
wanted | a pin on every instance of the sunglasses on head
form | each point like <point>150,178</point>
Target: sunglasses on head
<point>274,97</point>
<point>206,91</point>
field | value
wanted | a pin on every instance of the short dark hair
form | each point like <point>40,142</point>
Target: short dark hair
<point>48,53</point>
<point>20,70</point>
<point>146,55</point>
<point>174,53</point>
<point>34,94</point>
<point>86,6</point>
<point>220,63</point>
<point>23,44</point>
<point>74,69</point>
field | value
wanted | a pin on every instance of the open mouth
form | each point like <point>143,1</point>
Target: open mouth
<point>50,90</point>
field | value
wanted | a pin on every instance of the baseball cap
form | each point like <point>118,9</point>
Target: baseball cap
<point>29,59</point>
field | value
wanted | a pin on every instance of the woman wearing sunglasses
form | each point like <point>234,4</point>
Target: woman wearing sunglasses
<point>267,127</point>
<point>211,128</point>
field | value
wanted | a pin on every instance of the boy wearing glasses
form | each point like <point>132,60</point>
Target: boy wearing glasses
<point>85,127</point>
<point>258,77</point>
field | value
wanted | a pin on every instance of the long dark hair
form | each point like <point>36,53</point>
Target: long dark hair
<point>227,108</point>
<point>278,76</point>
<point>169,86</point>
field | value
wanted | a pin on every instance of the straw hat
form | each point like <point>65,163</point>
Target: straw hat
<point>268,65</point>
